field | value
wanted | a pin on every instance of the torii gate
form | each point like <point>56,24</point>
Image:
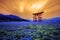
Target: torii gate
<point>37,16</point>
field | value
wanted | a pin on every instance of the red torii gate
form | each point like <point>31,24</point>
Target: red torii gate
<point>37,16</point>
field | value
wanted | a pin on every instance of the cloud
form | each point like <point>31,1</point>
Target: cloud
<point>52,8</point>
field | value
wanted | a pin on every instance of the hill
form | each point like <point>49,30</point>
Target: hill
<point>9,18</point>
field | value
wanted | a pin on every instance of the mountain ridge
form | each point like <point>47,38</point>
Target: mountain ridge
<point>8,18</point>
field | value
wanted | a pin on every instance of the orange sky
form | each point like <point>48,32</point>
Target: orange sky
<point>25,8</point>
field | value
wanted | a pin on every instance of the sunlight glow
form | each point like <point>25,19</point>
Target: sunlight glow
<point>22,7</point>
<point>34,7</point>
<point>37,6</point>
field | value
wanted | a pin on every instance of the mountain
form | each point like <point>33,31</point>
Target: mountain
<point>53,21</point>
<point>56,19</point>
<point>8,18</point>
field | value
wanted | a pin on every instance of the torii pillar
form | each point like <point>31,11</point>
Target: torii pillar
<point>34,17</point>
<point>37,16</point>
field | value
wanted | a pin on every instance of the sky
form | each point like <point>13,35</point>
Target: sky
<point>26,8</point>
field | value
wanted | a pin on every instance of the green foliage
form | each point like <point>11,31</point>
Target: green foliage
<point>37,32</point>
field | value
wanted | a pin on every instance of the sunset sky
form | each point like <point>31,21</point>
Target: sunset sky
<point>26,8</point>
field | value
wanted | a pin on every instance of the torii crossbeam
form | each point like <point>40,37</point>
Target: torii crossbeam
<point>37,16</point>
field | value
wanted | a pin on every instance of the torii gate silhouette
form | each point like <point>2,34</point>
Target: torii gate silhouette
<point>38,16</point>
